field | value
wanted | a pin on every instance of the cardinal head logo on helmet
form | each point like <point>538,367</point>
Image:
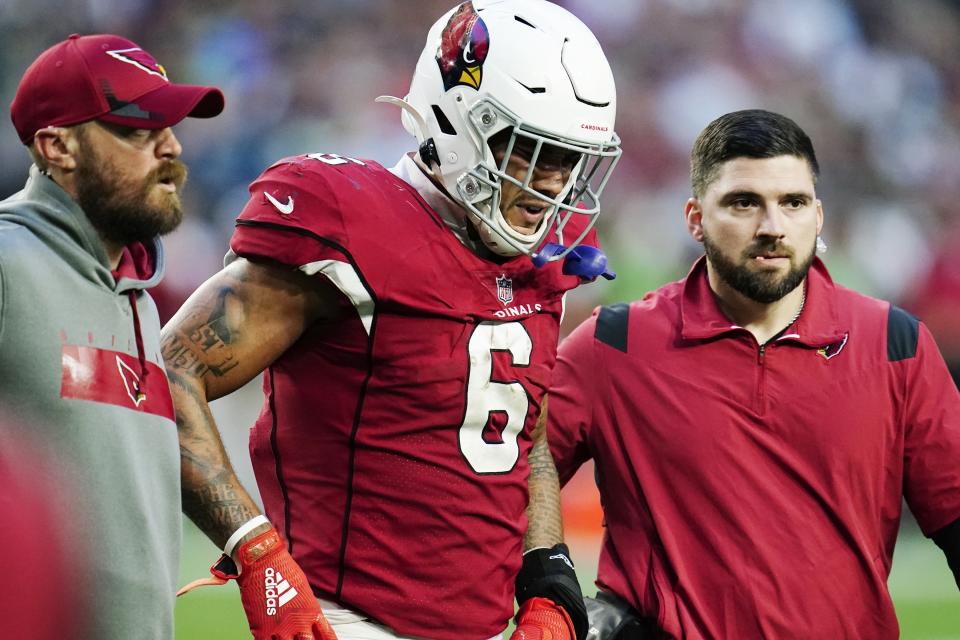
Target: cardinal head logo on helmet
<point>463,48</point>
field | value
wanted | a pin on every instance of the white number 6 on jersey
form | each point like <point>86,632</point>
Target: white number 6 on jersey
<point>485,396</point>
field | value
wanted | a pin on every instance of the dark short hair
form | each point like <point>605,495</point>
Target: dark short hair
<point>753,133</point>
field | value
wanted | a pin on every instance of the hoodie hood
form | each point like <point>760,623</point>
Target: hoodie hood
<point>57,220</point>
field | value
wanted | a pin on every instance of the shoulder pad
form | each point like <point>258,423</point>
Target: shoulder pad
<point>329,166</point>
<point>612,325</point>
<point>903,332</point>
<point>317,192</point>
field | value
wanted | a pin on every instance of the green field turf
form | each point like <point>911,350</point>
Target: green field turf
<point>923,589</point>
<point>926,597</point>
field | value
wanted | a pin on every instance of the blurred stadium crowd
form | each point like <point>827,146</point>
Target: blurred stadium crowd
<point>875,82</point>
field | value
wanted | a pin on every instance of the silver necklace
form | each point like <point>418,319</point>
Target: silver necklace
<point>803,301</point>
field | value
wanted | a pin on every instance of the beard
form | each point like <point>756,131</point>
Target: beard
<point>760,286</point>
<point>124,210</point>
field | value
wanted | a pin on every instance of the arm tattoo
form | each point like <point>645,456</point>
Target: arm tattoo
<point>206,348</point>
<point>216,508</point>
<point>545,527</point>
<point>212,495</point>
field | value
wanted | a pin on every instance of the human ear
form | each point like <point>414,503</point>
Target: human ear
<point>693,217</point>
<point>58,148</point>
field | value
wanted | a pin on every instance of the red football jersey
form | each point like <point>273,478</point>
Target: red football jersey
<point>392,446</point>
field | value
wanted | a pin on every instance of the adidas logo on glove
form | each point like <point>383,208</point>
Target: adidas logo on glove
<point>264,590</point>
<point>278,591</point>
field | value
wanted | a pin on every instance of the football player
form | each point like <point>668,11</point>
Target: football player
<point>407,321</point>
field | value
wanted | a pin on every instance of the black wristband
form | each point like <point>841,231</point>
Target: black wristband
<point>548,573</point>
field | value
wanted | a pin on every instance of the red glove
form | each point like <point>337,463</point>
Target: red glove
<point>275,594</point>
<point>541,619</point>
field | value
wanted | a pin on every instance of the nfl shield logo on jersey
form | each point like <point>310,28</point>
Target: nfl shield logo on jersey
<point>504,289</point>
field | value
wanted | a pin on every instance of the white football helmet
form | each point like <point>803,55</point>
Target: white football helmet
<point>529,66</point>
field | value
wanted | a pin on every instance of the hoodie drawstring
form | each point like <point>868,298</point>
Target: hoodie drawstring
<point>144,372</point>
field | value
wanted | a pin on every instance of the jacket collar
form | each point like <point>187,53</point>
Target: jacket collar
<point>819,323</point>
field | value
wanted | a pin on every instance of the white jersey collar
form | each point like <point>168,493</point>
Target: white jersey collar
<point>452,214</point>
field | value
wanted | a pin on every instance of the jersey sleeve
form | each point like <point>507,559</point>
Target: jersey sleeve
<point>294,216</point>
<point>932,438</point>
<point>569,410</point>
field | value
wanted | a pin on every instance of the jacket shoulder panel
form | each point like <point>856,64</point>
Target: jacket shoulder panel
<point>903,333</point>
<point>612,324</point>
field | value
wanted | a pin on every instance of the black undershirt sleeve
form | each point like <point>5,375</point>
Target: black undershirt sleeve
<point>948,539</point>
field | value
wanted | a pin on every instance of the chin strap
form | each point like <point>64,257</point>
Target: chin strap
<point>586,262</point>
<point>428,153</point>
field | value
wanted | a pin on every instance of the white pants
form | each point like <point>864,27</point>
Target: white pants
<point>350,625</point>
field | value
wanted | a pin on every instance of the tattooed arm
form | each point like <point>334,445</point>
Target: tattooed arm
<point>547,587</point>
<point>545,527</point>
<point>231,329</point>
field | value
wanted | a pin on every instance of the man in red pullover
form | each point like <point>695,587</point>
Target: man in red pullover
<point>756,426</point>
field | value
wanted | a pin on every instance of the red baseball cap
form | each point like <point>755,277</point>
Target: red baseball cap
<point>104,77</point>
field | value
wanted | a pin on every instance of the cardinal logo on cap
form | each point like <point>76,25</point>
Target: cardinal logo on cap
<point>140,59</point>
<point>463,48</point>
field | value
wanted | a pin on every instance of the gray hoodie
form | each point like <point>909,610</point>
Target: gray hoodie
<point>80,369</point>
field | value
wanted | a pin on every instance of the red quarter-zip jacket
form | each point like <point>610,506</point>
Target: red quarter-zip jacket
<point>755,491</point>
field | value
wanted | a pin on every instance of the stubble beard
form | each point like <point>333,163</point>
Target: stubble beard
<point>124,211</point>
<point>760,286</point>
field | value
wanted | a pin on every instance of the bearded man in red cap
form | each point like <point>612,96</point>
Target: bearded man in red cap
<point>79,334</point>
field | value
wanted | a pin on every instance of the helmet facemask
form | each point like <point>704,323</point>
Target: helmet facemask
<point>479,188</point>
